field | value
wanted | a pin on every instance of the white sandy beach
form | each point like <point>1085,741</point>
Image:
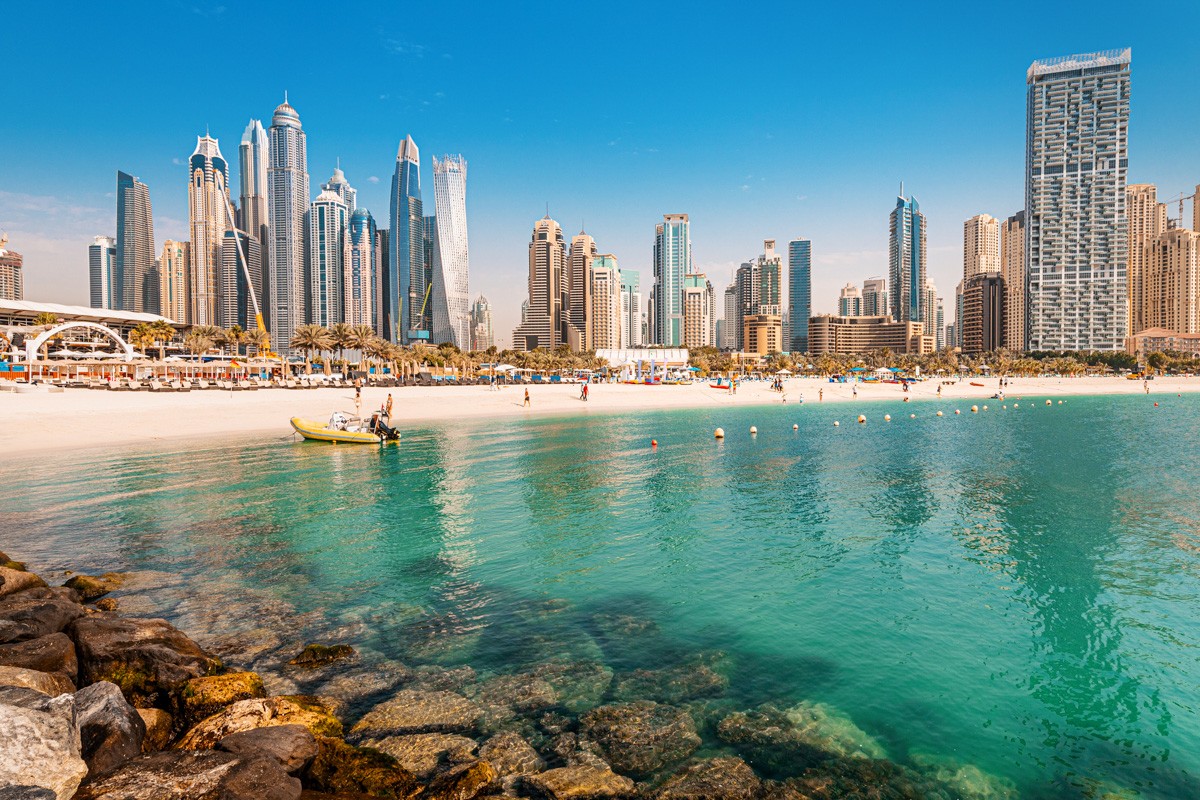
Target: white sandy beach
<point>83,418</point>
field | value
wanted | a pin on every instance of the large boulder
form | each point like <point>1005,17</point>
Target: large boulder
<point>319,655</point>
<point>200,698</point>
<point>712,779</point>
<point>293,746</point>
<point>110,730</point>
<point>339,767</point>
<point>90,588</point>
<point>411,711</point>
<point>35,613</point>
<point>579,783</point>
<point>641,738</point>
<point>40,742</point>
<point>147,658</point>
<point>511,755</point>
<point>676,684</point>
<point>422,753</point>
<point>15,580</point>
<point>249,714</point>
<point>578,685</point>
<point>159,727</point>
<point>48,683</point>
<point>206,775</point>
<point>54,653</point>
<point>464,782</point>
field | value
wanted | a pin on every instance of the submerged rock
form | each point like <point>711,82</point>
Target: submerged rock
<point>13,580</point>
<point>767,739</point>
<point>40,742</point>
<point>111,731</point>
<point>439,679</point>
<point>573,750</point>
<point>831,730</point>
<point>712,779</point>
<point>54,653</point>
<point>356,682</point>
<point>90,588</point>
<point>293,746</point>
<point>205,775</point>
<point>579,783</point>
<point>579,685</point>
<point>851,779</point>
<point>511,755</point>
<point>35,613</point>
<point>420,712</point>
<point>422,753</point>
<point>339,767</point>
<point>464,782</point>
<point>246,715</point>
<point>200,698</point>
<point>318,655</point>
<point>964,781</point>
<point>641,738</point>
<point>48,683</point>
<point>675,685</point>
<point>147,658</point>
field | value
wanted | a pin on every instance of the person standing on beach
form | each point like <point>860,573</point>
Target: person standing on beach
<point>1146,386</point>
<point>939,390</point>
<point>821,395</point>
<point>357,395</point>
<point>526,403</point>
<point>854,390</point>
<point>387,407</point>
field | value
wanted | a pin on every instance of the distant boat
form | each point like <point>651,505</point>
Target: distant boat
<point>344,428</point>
<point>973,383</point>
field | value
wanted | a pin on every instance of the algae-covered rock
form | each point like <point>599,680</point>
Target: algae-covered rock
<point>419,712</point>
<point>767,739</point>
<point>964,781</point>
<point>54,654</point>
<point>833,731</point>
<point>712,779</point>
<point>90,588</point>
<point>641,738</point>
<point>578,685</point>
<point>15,580</point>
<point>579,783</point>
<point>318,655</point>
<point>339,767</point>
<point>200,698</point>
<point>8,563</point>
<point>147,658</point>
<point>674,685</point>
<point>422,753</point>
<point>246,715</point>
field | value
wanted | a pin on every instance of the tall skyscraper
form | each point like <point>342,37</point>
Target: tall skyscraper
<point>135,245</point>
<point>342,188</point>
<point>731,322</point>
<point>12,282</point>
<point>907,260</point>
<point>578,301</point>
<point>1147,219</point>
<point>208,218</point>
<point>451,317</point>
<point>406,244</point>
<point>1012,269</point>
<point>746,278</point>
<point>383,285</point>
<point>329,250</point>
<point>983,313</point>
<point>173,267</point>
<point>102,267</point>
<point>1172,282</point>
<point>483,334</point>
<point>360,281</point>
<point>233,290</point>
<point>254,219</point>
<point>929,304</point>
<point>940,322</point>
<point>542,324</point>
<point>981,245</point>
<point>604,320</point>
<point>672,260</point>
<point>850,301</point>
<point>287,208</point>
<point>699,311</point>
<point>631,309</point>
<point>770,276</point>
<point>1076,237</point>
<point>874,297</point>
<point>799,292</point>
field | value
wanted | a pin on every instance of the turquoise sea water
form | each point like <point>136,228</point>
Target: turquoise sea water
<point>1014,590</point>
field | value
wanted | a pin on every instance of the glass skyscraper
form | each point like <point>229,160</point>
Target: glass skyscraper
<point>287,208</point>
<point>451,313</point>
<point>360,280</point>
<point>406,250</point>
<point>907,261</point>
<point>327,223</point>
<point>102,256</point>
<point>799,292</point>
<point>672,260</point>
<point>135,248</point>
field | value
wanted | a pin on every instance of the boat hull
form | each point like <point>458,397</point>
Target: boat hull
<point>318,432</point>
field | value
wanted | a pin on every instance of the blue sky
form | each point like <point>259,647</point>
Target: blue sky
<point>768,121</point>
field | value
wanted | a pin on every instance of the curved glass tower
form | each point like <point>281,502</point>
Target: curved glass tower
<point>406,283</point>
<point>451,255</point>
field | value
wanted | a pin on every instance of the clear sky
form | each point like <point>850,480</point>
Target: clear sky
<point>759,120</point>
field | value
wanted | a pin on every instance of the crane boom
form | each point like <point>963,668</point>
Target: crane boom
<point>258,317</point>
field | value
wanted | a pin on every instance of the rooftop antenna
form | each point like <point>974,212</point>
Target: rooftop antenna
<point>547,209</point>
<point>902,188</point>
<point>285,97</point>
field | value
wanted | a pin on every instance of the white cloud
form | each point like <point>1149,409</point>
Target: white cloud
<point>179,162</point>
<point>373,179</point>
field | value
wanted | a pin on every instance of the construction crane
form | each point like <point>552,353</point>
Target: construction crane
<point>237,245</point>
<point>1181,199</point>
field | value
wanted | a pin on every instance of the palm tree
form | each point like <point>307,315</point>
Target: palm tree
<point>142,336</point>
<point>235,336</point>
<point>46,320</point>
<point>163,333</point>
<point>259,339</point>
<point>341,336</point>
<point>198,340</point>
<point>310,339</point>
<point>359,336</point>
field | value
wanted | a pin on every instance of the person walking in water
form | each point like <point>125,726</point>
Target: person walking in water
<point>526,403</point>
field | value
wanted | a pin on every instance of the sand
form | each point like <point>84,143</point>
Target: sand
<point>85,418</point>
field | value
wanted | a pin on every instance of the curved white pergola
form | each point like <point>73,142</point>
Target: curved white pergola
<point>32,347</point>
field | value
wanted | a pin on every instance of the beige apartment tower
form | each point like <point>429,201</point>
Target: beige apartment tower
<point>981,245</point>
<point>174,281</point>
<point>543,322</point>
<point>604,321</point>
<point>12,283</point>
<point>1172,282</point>
<point>1012,269</point>
<point>577,306</point>
<point>1147,220</point>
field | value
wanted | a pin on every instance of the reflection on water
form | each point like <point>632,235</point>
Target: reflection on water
<point>1014,589</point>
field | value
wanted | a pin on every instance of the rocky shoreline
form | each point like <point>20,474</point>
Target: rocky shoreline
<point>99,706</point>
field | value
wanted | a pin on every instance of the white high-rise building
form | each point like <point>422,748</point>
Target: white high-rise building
<point>672,260</point>
<point>874,297</point>
<point>342,188</point>
<point>483,334</point>
<point>287,204</point>
<point>1075,173</point>
<point>208,213</point>
<point>253,215</point>
<point>605,295</point>
<point>850,301</point>
<point>631,309</point>
<point>731,320</point>
<point>329,250</point>
<point>360,278</point>
<point>451,254</point>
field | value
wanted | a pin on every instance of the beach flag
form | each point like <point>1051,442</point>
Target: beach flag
<point>235,364</point>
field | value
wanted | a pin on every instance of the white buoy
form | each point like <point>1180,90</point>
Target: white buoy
<point>985,408</point>
<point>753,431</point>
<point>939,413</point>
<point>795,427</point>
<point>1016,405</point>
<point>912,416</point>
<point>1049,403</point>
<point>719,433</point>
<point>836,423</point>
<point>861,419</point>
<point>974,409</point>
<point>1060,402</point>
<point>1004,407</point>
<point>956,411</point>
<point>887,417</point>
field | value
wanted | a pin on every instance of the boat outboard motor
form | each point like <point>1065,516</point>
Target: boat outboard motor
<point>380,427</point>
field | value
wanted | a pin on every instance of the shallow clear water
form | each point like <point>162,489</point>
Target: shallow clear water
<point>1016,590</point>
